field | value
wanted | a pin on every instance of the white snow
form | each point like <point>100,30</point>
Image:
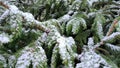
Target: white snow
<point>4,38</point>
<point>4,15</point>
<point>13,9</point>
<point>91,2</point>
<point>90,41</point>
<point>89,58</point>
<point>75,25</point>
<point>91,15</point>
<point>65,18</point>
<point>62,47</point>
<point>111,37</point>
<point>113,47</point>
<point>35,54</point>
<point>3,60</point>
<point>11,61</point>
<point>28,17</point>
<point>99,29</point>
<point>65,50</point>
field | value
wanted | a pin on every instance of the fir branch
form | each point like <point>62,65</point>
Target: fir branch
<point>3,61</point>
<point>97,26</point>
<point>66,17</point>
<point>32,53</point>
<point>89,58</point>
<point>103,50</point>
<point>113,47</point>
<point>112,27</point>
<point>111,38</point>
<point>37,26</point>
<point>4,15</point>
<point>66,50</point>
<point>27,17</point>
<point>41,28</point>
<point>54,57</point>
<point>5,29</point>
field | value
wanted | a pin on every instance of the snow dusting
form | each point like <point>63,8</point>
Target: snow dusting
<point>113,47</point>
<point>90,59</point>
<point>111,37</point>
<point>34,55</point>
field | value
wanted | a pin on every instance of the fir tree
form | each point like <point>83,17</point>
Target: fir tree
<point>59,34</point>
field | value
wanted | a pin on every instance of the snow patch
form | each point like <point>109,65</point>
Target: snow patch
<point>91,2</point>
<point>89,58</point>
<point>13,9</point>
<point>28,17</point>
<point>65,46</point>
<point>4,38</point>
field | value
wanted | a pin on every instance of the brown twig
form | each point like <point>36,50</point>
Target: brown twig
<point>4,5</point>
<point>112,27</point>
<point>103,50</point>
<point>42,28</point>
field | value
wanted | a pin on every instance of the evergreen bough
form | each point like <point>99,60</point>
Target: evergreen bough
<point>59,34</point>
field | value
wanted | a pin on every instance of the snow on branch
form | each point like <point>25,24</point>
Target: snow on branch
<point>4,15</point>
<point>33,54</point>
<point>3,61</point>
<point>28,17</point>
<point>89,58</point>
<point>112,27</point>
<point>111,38</point>
<point>113,47</point>
<point>66,48</point>
<point>66,17</point>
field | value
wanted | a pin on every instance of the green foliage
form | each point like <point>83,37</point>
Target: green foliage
<point>2,61</point>
<point>97,27</point>
<point>30,56</point>
<point>110,61</point>
<point>75,25</point>
<point>70,30</point>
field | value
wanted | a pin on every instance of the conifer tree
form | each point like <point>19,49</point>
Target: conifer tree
<point>59,34</point>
